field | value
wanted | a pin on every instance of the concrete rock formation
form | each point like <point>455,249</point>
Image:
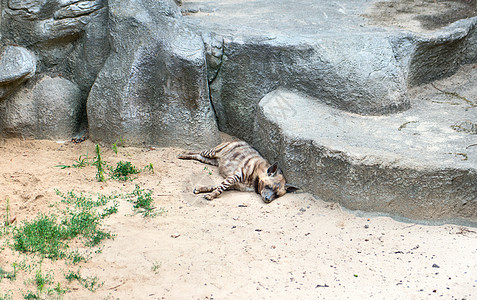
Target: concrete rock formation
<point>324,49</point>
<point>17,64</point>
<point>153,87</point>
<point>419,164</point>
<point>46,108</point>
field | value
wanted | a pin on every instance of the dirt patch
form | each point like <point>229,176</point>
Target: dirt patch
<point>235,247</point>
<point>420,16</point>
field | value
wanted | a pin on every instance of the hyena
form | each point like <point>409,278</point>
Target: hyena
<point>244,169</point>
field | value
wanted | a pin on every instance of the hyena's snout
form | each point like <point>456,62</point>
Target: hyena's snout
<point>268,195</point>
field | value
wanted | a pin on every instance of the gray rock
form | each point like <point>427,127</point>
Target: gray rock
<point>412,164</point>
<point>17,64</point>
<point>58,103</point>
<point>48,108</point>
<point>37,21</point>
<point>322,49</point>
<point>362,78</point>
<point>69,38</point>
<point>153,87</point>
<point>87,60</point>
<point>325,49</point>
<point>440,54</point>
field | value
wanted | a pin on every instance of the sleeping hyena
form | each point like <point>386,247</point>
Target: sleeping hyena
<point>243,169</point>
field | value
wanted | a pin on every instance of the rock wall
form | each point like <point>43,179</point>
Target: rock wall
<point>153,86</point>
<point>137,72</point>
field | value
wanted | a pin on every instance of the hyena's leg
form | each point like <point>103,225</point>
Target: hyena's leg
<point>218,190</point>
<point>212,153</point>
<point>199,157</point>
<point>207,156</point>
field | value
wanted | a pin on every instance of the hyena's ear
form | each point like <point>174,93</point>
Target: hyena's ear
<point>273,170</point>
<point>291,188</point>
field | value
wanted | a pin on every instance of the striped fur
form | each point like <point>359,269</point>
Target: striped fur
<point>243,169</point>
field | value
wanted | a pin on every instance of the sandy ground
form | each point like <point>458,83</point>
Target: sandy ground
<point>235,247</point>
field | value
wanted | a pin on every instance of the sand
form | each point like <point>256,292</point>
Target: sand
<point>235,247</point>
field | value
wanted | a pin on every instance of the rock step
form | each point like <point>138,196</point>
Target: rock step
<point>358,55</point>
<point>418,164</point>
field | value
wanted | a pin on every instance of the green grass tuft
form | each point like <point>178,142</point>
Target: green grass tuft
<point>42,235</point>
<point>91,283</point>
<point>123,170</point>
<point>142,202</point>
<point>48,235</point>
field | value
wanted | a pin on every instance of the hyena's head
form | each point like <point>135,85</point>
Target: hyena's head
<point>272,184</point>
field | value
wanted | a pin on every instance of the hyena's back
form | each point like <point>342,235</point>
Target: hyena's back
<point>233,157</point>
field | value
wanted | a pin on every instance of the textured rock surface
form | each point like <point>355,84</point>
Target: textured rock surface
<point>440,54</point>
<point>416,164</point>
<point>61,33</point>
<point>153,88</point>
<point>325,49</point>
<point>17,64</point>
<point>68,38</point>
<point>39,21</point>
<point>365,80</point>
<point>48,108</point>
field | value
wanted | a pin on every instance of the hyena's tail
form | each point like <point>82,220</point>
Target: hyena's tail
<point>207,156</point>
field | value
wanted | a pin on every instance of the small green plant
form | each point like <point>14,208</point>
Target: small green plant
<point>207,169</point>
<point>81,162</point>
<point>115,148</point>
<point>76,257</point>
<point>49,235</point>
<point>149,167</point>
<point>110,210</point>
<point>123,170</point>
<point>7,221</point>
<point>73,276</point>
<point>41,280</point>
<point>83,202</point>
<point>87,224</point>
<point>142,201</point>
<point>99,163</point>
<point>42,235</point>
<point>30,295</point>
<point>91,282</point>
<point>6,295</point>
<point>155,267</point>
<point>58,290</point>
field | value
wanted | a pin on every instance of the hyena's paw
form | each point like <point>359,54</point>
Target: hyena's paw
<point>209,197</point>
<point>203,189</point>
